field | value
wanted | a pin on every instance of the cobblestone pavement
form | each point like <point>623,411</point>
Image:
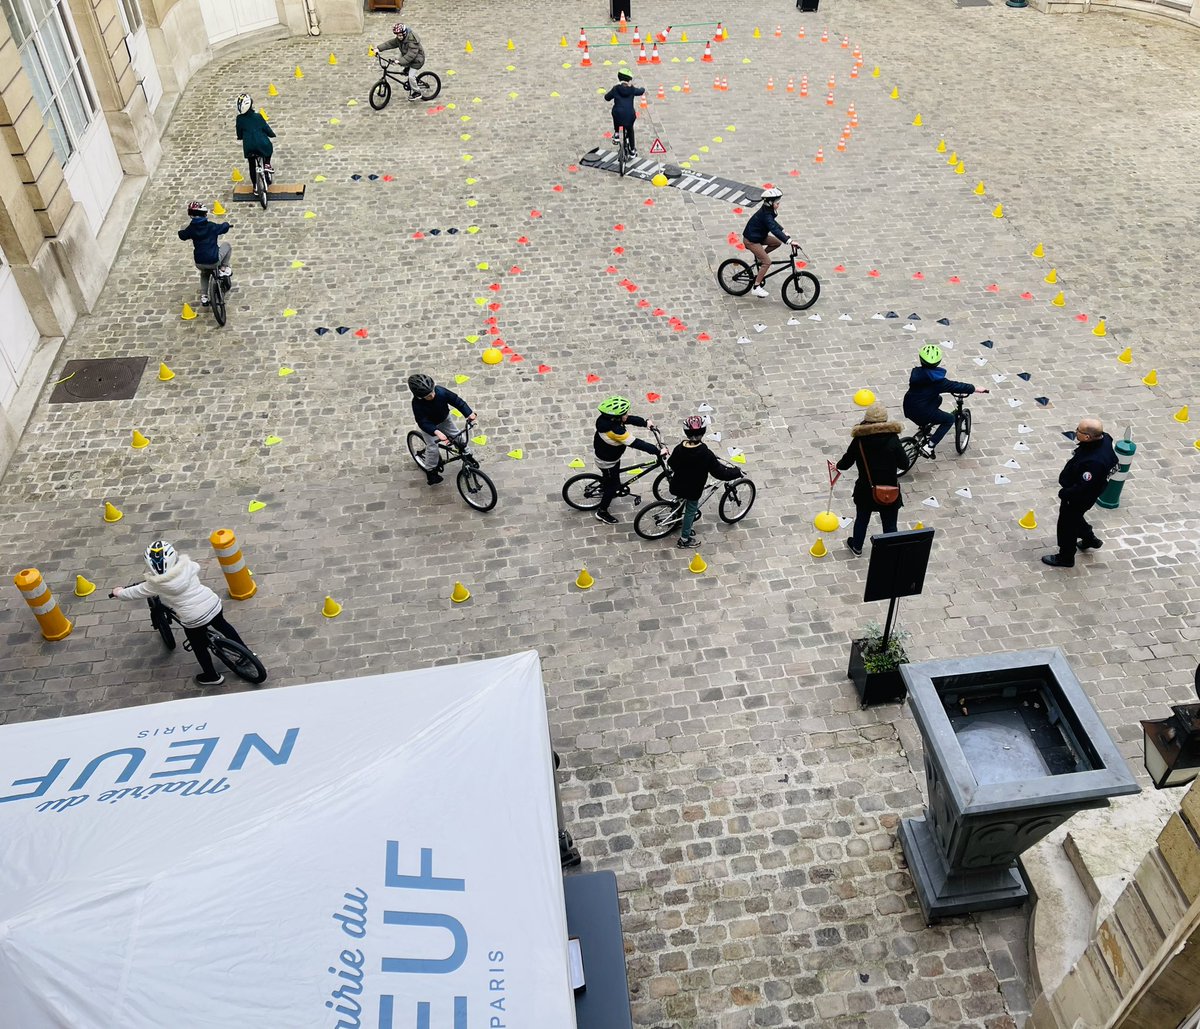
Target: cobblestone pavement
<point>714,754</point>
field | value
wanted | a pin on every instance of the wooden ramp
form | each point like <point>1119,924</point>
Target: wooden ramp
<point>277,191</point>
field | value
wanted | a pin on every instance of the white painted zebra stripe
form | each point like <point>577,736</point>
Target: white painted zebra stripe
<point>723,194</point>
<point>712,188</point>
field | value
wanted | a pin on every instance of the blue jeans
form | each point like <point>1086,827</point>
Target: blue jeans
<point>944,420</point>
<point>691,508</point>
<point>862,519</point>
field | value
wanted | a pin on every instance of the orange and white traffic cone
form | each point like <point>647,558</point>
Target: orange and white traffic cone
<point>587,59</point>
<point>717,83</point>
<point>778,31</point>
<point>770,83</point>
<point>800,34</point>
<point>841,144</point>
<point>707,58</point>
<point>662,36</point>
<point>829,100</point>
<point>845,42</point>
<point>804,86</point>
<point>642,55</point>
<point>825,36</point>
<point>832,82</point>
<point>654,58</point>
<point>624,26</point>
<point>724,83</point>
<point>644,102</point>
<point>582,44</point>
<point>853,116</point>
<point>720,36</point>
<point>662,93</point>
<point>854,72</point>
<point>820,158</point>
<point>636,38</point>
<point>687,86</point>
<point>857,56</point>
<point>791,86</point>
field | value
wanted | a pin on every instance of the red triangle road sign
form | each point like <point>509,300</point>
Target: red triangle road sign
<point>657,146</point>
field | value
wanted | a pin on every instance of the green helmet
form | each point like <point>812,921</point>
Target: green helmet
<point>616,406</point>
<point>625,74</point>
<point>930,353</point>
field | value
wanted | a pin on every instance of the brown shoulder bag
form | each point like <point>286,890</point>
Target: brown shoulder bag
<point>885,495</point>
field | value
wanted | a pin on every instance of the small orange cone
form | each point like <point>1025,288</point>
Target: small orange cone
<point>853,115</point>
<point>778,31</point>
<point>662,93</point>
<point>624,26</point>
<point>637,39</point>
<point>841,144</point>
<point>804,85</point>
<point>654,58</point>
<point>854,72</point>
<point>717,83</point>
<point>587,59</point>
<point>724,83</point>
<point>687,86</point>
<point>825,36</point>
<point>642,55</point>
<point>770,83</point>
<point>832,82</point>
<point>820,159</point>
<point>845,42</point>
<point>791,86</point>
<point>707,58</point>
<point>829,100</point>
<point>800,34</point>
<point>720,37</point>
<point>643,103</point>
<point>582,44</point>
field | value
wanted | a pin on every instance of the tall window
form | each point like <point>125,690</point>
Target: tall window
<point>131,12</point>
<point>51,57</point>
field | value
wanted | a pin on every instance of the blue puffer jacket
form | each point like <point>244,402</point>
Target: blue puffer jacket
<point>925,389</point>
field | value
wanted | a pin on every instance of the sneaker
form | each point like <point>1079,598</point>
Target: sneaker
<point>855,549</point>
<point>1092,544</point>
<point>209,680</point>
<point>691,541</point>
<point>415,94</point>
<point>606,516</point>
<point>432,478</point>
<point>204,300</point>
<point>759,291</point>
<point>925,450</point>
<point>225,271</point>
<point>269,168</point>
<point>1057,561</point>
<point>631,153</point>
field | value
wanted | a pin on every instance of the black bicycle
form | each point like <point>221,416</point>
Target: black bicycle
<point>235,656</point>
<point>800,289</point>
<point>218,286</point>
<point>655,521</point>
<point>428,82</point>
<point>918,445</point>
<point>473,483</point>
<point>624,150</point>
<point>584,491</point>
<point>262,179</point>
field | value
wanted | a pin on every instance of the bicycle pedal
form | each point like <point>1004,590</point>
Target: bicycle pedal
<point>637,501</point>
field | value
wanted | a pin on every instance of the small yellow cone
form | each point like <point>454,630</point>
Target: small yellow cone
<point>331,608</point>
<point>960,169</point>
<point>470,49</point>
<point>919,525</point>
<point>584,580</point>
<point>1181,415</point>
<point>683,37</point>
<point>953,158</point>
<point>614,41</point>
<point>1038,251</point>
<point>1027,521</point>
<point>998,212</point>
<point>757,33</point>
<point>1101,328</point>
<point>263,112</point>
<point>139,441</point>
<point>826,521</point>
<point>298,73</point>
<point>895,93</point>
<point>979,190</point>
<point>187,314</point>
<point>271,90</point>
<point>875,72</point>
<point>1126,356</point>
<point>84,588</point>
<point>218,208</point>
<point>332,59</point>
<point>818,548</point>
<point>512,45</point>
<point>1059,300</point>
<point>697,564</point>
<point>1151,378</point>
<point>111,513</point>
<point>237,176</point>
<point>460,593</point>
<point>563,41</point>
<point>917,121</point>
<point>1052,276</point>
<point>941,147</point>
<point>165,374</point>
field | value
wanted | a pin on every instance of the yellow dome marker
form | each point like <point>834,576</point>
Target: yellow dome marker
<point>919,525</point>
<point>491,356</point>
<point>460,593</point>
<point>1027,521</point>
<point>460,379</point>
<point>864,398</point>
<point>255,506</point>
<point>139,441</point>
<point>289,312</point>
<point>576,463</point>
<point>583,580</point>
<point>1181,416</point>
<point>481,440</point>
<point>112,513</point>
<point>517,455</point>
<point>297,264</point>
<point>310,214</point>
<point>331,608</point>
<point>826,521</point>
<point>318,178</point>
<point>697,565</point>
<point>1151,378</point>
<point>818,549</point>
<point>165,374</point>
<point>84,587</point>
<point>284,372</point>
<point>271,441</point>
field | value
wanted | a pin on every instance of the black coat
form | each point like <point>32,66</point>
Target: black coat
<point>1086,474</point>
<point>880,442</point>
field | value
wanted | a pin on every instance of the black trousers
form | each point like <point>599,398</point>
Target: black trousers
<point>628,132</point>
<point>610,479</point>
<point>198,637</point>
<point>1073,527</point>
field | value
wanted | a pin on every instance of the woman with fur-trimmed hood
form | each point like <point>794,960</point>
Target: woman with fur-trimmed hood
<point>876,451</point>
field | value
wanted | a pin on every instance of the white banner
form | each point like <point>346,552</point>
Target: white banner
<point>375,853</point>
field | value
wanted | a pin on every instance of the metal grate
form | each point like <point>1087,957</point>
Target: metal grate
<point>106,378</point>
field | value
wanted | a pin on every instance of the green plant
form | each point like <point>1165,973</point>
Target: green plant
<point>879,658</point>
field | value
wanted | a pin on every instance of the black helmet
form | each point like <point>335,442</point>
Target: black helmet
<point>421,385</point>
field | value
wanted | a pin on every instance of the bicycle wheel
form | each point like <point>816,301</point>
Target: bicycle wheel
<point>237,658</point>
<point>962,431</point>
<point>160,621</point>
<point>911,452</point>
<point>800,290</point>
<point>380,94</point>
<point>416,447</point>
<point>583,491</point>
<point>654,521</point>
<point>476,488</point>
<point>216,297</point>
<point>737,500</point>
<point>260,182</point>
<point>736,277</point>
<point>662,487</point>
<point>429,84</point>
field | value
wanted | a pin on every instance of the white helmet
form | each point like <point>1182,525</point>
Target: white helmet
<point>774,193</point>
<point>161,557</point>
<point>244,102</point>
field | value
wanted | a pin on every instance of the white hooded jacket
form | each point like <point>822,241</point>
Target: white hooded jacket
<point>181,590</point>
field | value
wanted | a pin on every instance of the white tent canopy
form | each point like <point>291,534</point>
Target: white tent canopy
<point>373,852</point>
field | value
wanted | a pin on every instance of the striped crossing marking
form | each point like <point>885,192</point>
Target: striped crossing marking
<point>712,186</point>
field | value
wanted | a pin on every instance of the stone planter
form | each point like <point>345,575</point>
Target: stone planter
<point>1013,748</point>
<point>873,687</point>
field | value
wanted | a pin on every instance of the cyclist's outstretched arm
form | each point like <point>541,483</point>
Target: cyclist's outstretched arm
<point>139,591</point>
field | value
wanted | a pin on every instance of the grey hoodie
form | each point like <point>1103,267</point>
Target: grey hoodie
<point>181,590</point>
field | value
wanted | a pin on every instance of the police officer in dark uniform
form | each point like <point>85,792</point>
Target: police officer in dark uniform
<point>1082,481</point>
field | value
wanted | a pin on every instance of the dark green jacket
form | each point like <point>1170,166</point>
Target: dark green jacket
<point>255,134</point>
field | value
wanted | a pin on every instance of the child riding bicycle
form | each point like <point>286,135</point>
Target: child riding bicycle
<point>623,115</point>
<point>923,401</point>
<point>691,464</point>
<point>412,56</point>
<point>175,579</point>
<point>431,408</point>
<point>762,234</point>
<point>609,443</point>
<point>209,257</point>
<point>256,135</point>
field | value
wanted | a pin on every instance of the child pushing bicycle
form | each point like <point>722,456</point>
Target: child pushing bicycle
<point>691,464</point>
<point>175,579</point>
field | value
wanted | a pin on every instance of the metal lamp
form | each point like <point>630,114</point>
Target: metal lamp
<point>1172,746</point>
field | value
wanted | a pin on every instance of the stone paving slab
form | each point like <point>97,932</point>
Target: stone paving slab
<point>714,754</point>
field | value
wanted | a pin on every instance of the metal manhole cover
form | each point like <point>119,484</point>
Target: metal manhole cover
<point>960,4</point>
<point>106,378</point>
